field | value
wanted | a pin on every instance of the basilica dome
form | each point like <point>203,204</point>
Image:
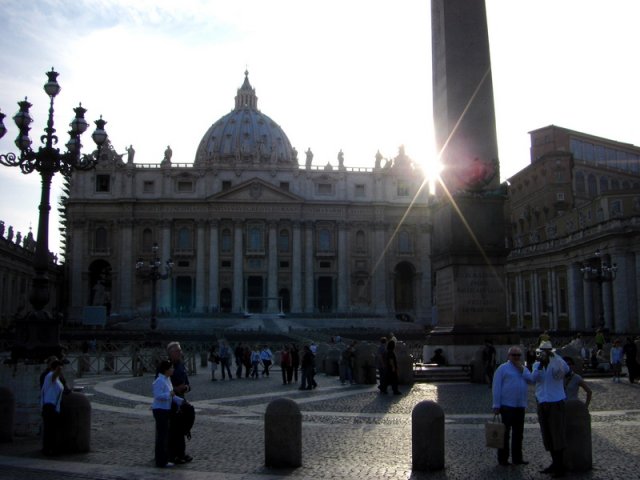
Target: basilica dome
<point>246,136</point>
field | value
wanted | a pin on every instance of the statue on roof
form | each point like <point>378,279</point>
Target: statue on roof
<point>168,153</point>
<point>340,159</point>
<point>309,155</point>
<point>130,154</point>
<point>378,159</point>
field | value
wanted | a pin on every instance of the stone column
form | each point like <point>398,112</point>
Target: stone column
<point>424,294</point>
<point>127,266</point>
<point>296,269</point>
<point>272,272</point>
<point>590,289</point>
<point>200,267</point>
<point>238,270</point>
<point>607,305</point>
<point>519,301</point>
<point>624,293</point>
<point>308,268</point>
<point>79,249</point>
<point>553,299</point>
<point>379,273</point>
<point>214,262</point>
<point>534,293</point>
<point>343,268</point>
<point>164,286</point>
<point>575,294</point>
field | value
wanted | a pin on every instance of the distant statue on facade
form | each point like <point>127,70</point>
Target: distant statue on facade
<point>340,159</point>
<point>10,233</point>
<point>309,155</point>
<point>18,239</point>
<point>1,228</point>
<point>98,294</point>
<point>131,153</point>
<point>168,153</point>
<point>378,159</point>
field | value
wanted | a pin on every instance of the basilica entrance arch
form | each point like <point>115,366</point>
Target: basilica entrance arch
<point>255,292</point>
<point>184,294</point>
<point>404,287</point>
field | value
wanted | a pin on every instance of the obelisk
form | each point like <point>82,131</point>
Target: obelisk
<point>468,248</point>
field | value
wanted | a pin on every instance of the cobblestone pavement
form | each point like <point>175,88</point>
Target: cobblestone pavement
<point>348,432</point>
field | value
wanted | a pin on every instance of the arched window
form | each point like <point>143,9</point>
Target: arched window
<point>147,240</point>
<point>283,241</point>
<point>360,241</point>
<point>226,240</point>
<point>256,243</point>
<point>324,240</point>
<point>184,239</point>
<point>101,240</point>
<point>615,184</point>
<point>604,185</point>
<point>580,186</point>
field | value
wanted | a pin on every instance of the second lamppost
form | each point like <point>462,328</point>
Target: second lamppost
<point>600,273</point>
<point>151,271</point>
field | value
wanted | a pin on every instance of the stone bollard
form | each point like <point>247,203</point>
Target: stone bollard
<point>427,436</point>
<point>577,454</point>
<point>283,434</point>
<point>75,419</point>
<point>7,414</point>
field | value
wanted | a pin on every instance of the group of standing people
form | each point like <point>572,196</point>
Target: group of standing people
<point>246,358</point>
<point>555,382</point>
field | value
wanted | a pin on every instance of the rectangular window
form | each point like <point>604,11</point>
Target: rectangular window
<point>185,186</point>
<point>284,186</point>
<point>324,189</point>
<point>226,184</point>
<point>325,264</point>
<point>103,183</point>
<point>284,264</point>
<point>360,191</point>
<point>403,189</point>
<point>148,186</point>
<point>225,263</point>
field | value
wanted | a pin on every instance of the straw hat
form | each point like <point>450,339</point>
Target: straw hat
<point>546,345</point>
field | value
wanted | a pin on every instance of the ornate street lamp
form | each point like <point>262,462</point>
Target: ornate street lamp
<point>599,273</point>
<point>37,335</point>
<point>151,271</point>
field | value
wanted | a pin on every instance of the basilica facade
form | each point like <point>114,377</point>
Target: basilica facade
<point>250,228</point>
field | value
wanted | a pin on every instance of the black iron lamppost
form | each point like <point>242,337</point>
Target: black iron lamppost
<point>151,271</point>
<point>37,335</point>
<point>599,273</point>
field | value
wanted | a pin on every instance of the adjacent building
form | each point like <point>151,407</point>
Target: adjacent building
<point>574,216</point>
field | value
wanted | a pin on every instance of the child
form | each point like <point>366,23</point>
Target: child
<point>616,360</point>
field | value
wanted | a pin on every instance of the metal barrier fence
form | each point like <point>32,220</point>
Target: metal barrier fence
<point>118,362</point>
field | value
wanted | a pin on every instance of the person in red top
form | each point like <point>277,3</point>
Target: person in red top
<point>286,365</point>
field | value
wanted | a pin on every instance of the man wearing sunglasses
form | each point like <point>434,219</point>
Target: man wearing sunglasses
<point>510,393</point>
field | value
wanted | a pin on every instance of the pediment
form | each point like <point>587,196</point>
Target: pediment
<point>255,190</point>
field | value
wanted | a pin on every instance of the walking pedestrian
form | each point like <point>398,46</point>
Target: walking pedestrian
<point>391,369</point>
<point>509,388</point>
<point>616,356</point>
<point>548,375</point>
<point>285,365</point>
<point>255,362</point>
<point>380,361</point>
<point>488,360</point>
<point>225,359</point>
<point>306,367</point>
<point>238,353</point>
<point>295,361</point>
<point>630,354</point>
<point>266,357</point>
<point>214,361</point>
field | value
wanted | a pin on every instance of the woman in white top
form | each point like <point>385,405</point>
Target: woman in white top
<point>163,397</point>
<point>50,398</point>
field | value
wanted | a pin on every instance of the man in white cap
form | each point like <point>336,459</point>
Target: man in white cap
<point>548,374</point>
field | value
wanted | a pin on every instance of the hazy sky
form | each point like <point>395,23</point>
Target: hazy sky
<point>334,74</point>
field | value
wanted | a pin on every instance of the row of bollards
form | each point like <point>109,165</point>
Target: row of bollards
<point>283,436</point>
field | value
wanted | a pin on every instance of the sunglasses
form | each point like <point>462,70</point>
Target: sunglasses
<point>515,354</point>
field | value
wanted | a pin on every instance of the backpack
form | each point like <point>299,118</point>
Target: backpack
<point>186,416</point>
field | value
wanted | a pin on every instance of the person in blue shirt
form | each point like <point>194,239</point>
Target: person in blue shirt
<point>163,397</point>
<point>548,374</point>
<point>50,399</point>
<point>510,388</point>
